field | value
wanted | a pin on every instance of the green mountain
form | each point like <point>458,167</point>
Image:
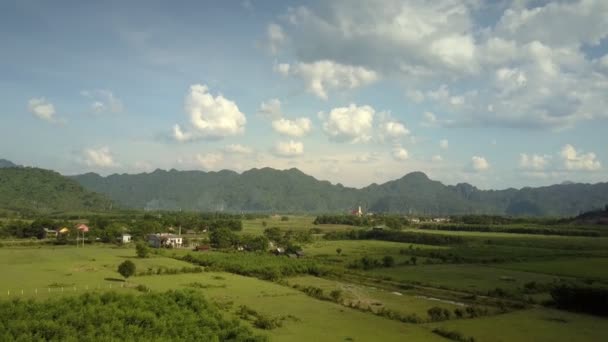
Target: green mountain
<point>6,163</point>
<point>44,191</point>
<point>270,190</point>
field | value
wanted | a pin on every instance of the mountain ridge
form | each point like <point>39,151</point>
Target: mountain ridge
<point>272,190</point>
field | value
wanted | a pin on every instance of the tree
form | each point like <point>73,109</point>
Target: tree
<point>142,250</point>
<point>413,260</point>
<point>284,218</point>
<point>388,261</point>
<point>273,234</point>
<point>435,313</point>
<point>339,250</point>
<point>223,238</point>
<point>126,269</point>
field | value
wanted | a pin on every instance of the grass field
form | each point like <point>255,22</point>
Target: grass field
<point>585,268</point>
<point>444,276</point>
<point>295,223</point>
<point>472,278</point>
<point>532,325</point>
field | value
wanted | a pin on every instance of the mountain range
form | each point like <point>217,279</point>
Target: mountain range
<point>270,190</point>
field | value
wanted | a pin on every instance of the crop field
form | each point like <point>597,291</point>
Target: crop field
<point>294,223</point>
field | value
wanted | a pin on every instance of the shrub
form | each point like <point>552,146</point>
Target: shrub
<point>142,250</point>
<point>126,269</point>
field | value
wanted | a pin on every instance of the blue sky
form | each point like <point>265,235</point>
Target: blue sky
<point>495,93</point>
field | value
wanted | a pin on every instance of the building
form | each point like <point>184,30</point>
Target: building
<point>165,240</point>
<point>126,238</point>
<point>358,212</point>
<point>50,233</point>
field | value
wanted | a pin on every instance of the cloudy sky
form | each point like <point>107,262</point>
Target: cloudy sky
<point>495,93</point>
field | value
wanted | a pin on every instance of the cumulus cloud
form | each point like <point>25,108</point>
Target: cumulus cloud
<point>103,101</point>
<point>479,164</point>
<point>353,123</point>
<point>210,117</point>
<point>400,153</point>
<point>289,148</point>
<point>42,108</point>
<point>209,161</point>
<point>270,109</point>
<point>100,157</point>
<point>238,149</point>
<point>294,128</point>
<point>444,143</point>
<point>325,75</point>
<point>525,69</point>
<point>576,160</point>
<point>534,161</point>
<point>393,129</point>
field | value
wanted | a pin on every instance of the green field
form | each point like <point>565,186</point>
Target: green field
<point>378,303</point>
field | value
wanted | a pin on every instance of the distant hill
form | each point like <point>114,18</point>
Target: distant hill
<point>6,163</point>
<point>270,190</point>
<point>33,189</point>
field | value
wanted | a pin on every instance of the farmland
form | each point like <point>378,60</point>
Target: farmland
<point>358,288</point>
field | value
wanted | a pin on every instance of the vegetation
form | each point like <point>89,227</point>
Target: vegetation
<point>31,190</point>
<point>261,190</point>
<point>174,315</point>
<point>142,250</point>
<point>592,300</point>
<point>126,269</point>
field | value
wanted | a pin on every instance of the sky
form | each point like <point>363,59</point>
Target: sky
<point>494,93</point>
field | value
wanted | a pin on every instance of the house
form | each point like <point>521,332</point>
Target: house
<point>126,238</point>
<point>50,233</point>
<point>415,220</point>
<point>165,240</point>
<point>441,220</point>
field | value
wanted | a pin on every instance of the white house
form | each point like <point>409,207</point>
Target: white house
<point>165,240</point>
<point>126,238</point>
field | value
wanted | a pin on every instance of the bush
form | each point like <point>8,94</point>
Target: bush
<point>336,295</point>
<point>126,269</point>
<point>142,250</point>
<point>452,335</point>
<point>113,316</point>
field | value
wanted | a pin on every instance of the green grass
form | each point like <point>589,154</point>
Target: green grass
<point>373,297</point>
<point>317,320</point>
<point>295,223</point>
<point>42,267</point>
<point>464,277</point>
<point>532,325</point>
<point>585,268</point>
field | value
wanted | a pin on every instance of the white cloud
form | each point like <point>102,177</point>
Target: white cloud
<point>100,157</point>
<point>353,123</point>
<point>575,160</point>
<point>41,108</point>
<point>479,164</point>
<point>276,37</point>
<point>393,129</point>
<point>289,148</point>
<point>103,101</point>
<point>325,75</point>
<point>400,153</point>
<point>270,109</point>
<point>526,69</point>
<point>209,161</point>
<point>444,143</point>
<point>238,149</point>
<point>211,117</point>
<point>534,161</point>
<point>436,158</point>
<point>294,128</point>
